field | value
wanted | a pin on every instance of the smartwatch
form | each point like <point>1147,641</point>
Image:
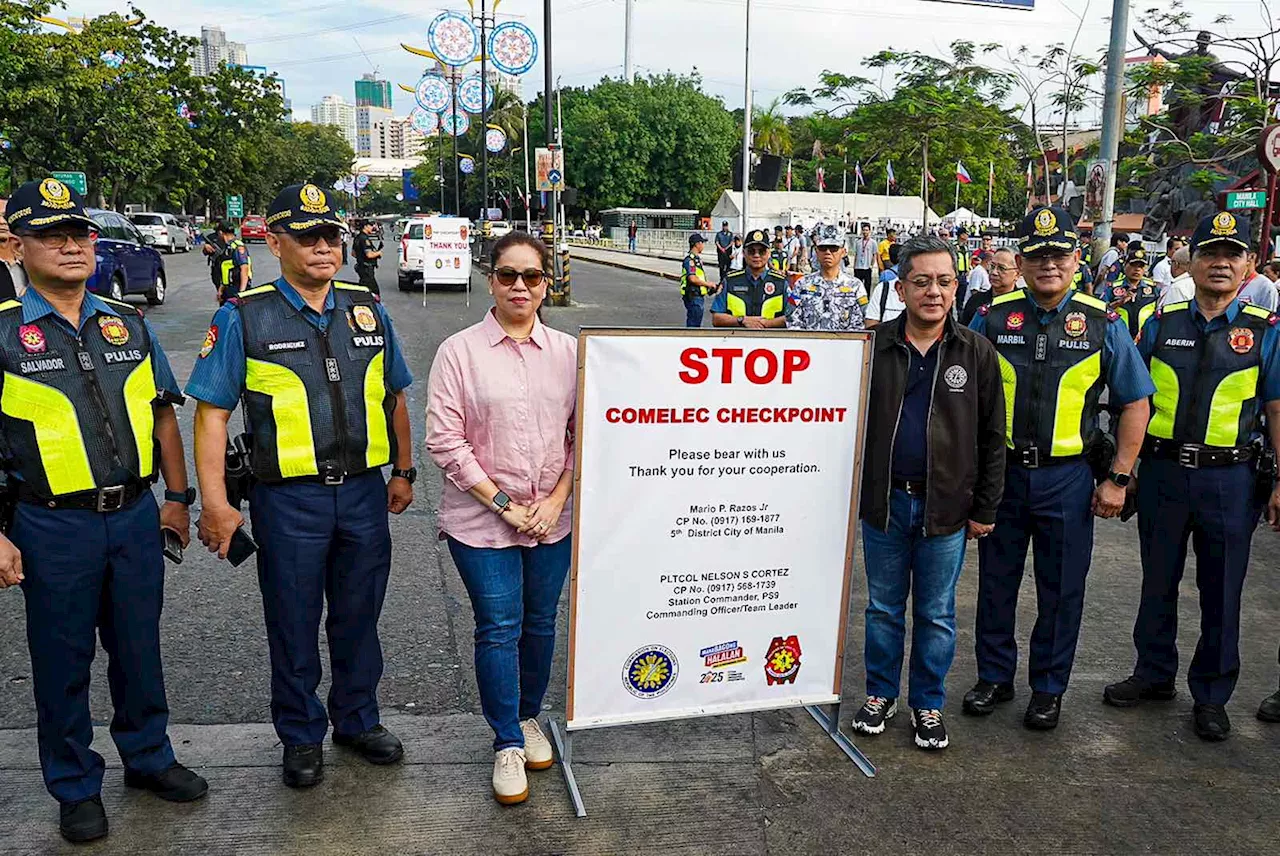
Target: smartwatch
<point>500,503</point>
<point>1120,479</point>
<point>186,497</point>
<point>410,475</point>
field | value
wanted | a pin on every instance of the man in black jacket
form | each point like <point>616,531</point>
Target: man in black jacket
<point>932,477</point>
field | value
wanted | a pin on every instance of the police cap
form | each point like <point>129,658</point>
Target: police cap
<point>225,227</point>
<point>301,208</point>
<point>696,238</point>
<point>829,236</point>
<point>1223,227</point>
<point>756,236</point>
<point>1048,228</point>
<point>1137,254</point>
<point>40,205</point>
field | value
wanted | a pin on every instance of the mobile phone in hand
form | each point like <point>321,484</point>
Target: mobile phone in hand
<point>172,546</point>
<point>242,547</point>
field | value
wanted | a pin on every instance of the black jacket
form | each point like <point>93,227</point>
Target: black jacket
<point>966,456</point>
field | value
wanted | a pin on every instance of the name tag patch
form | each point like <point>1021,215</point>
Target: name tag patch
<point>116,357</point>
<point>49,364</point>
<point>1074,344</point>
<point>1010,339</point>
<point>367,341</point>
<point>275,347</point>
<point>1180,343</point>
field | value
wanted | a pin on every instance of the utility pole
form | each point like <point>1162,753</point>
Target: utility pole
<point>558,296</point>
<point>629,70</point>
<point>484,120</point>
<point>746,128</point>
<point>1112,123</point>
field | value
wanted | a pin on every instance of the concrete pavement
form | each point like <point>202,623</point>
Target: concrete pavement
<point>1107,781</point>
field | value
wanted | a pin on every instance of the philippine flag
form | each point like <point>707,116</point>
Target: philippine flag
<point>892,181</point>
<point>962,174</point>
<point>857,171</point>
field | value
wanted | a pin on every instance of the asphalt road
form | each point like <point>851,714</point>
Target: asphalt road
<point>1106,781</point>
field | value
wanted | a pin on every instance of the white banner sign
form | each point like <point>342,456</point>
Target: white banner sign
<point>716,499</point>
<point>447,256</point>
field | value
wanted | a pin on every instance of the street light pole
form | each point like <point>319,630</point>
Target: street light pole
<point>1112,123</point>
<point>457,197</point>
<point>629,70</point>
<point>484,119</point>
<point>746,127</point>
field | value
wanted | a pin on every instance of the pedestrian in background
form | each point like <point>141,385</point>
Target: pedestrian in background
<point>978,277</point>
<point>1257,289</point>
<point>885,302</point>
<point>1182,286</point>
<point>693,282</point>
<point>890,238</point>
<point>1004,278</point>
<point>724,249</point>
<point>500,408</point>
<point>735,259</point>
<point>1162,273</point>
<point>367,254</point>
<point>934,474</point>
<point>632,231</point>
<point>13,279</point>
<point>866,259</point>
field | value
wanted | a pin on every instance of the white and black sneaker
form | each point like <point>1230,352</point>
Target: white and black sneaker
<point>930,732</point>
<point>874,713</point>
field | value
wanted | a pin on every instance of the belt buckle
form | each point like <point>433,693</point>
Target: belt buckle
<point>1189,457</point>
<point>332,479</point>
<point>1031,458</point>
<point>110,498</point>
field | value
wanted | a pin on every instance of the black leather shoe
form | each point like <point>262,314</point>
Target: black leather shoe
<point>983,698</point>
<point>83,821</point>
<point>1133,691</point>
<point>303,765</point>
<point>176,784</point>
<point>1211,722</point>
<point>1269,710</point>
<point>1042,711</point>
<point>377,745</point>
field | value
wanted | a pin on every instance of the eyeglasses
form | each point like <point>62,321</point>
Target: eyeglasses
<point>924,282</point>
<point>507,276</point>
<point>1002,268</point>
<point>332,237</point>
<point>1055,259</point>
<point>58,240</point>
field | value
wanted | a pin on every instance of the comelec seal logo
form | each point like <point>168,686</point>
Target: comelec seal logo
<point>313,200</point>
<point>956,377</point>
<point>650,671</point>
<point>55,193</point>
<point>1224,224</point>
<point>1046,223</point>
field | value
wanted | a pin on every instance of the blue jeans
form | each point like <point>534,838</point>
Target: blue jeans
<point>896,561</point>
<point>514,592</point>
<point>631,244</point>
<point>693,311</point>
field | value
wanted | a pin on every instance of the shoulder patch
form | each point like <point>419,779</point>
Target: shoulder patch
<point>1257,311</point>
<point>1176,307</point>
<point>985,308</point>
<point>1016,294</point>
<point>1088,300</point>
<point>1113,315</point>
<point>10,304</point>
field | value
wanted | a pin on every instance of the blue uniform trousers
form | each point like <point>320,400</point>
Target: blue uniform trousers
<point>1050,507</point>
<point>1215,506</point>
<point>88,571</point>
<point>693,311</point>
<point>323,542</point>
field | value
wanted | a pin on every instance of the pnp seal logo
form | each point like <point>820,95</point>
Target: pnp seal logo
<point>1075,324</point>
<point>32,339</point>
<point>1241,340</point>
<point>113,329</point>
<point>650,671</point>
<point>313,200</point>
<point>364,318</point>
<point>1014,321</point>
<point>782,662</point>
<point>1046,223</point>
<point>55,194</point>
<point>1223,224</point>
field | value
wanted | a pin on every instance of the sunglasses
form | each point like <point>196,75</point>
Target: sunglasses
<point>332,237</point>
<point>757,250</point>
<point>507,276</point>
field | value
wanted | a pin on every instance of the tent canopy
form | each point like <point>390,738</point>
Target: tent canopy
<point>769,208</point>
<point>968,215</point>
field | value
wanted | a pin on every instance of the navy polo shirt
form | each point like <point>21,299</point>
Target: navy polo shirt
<point>910,444</point>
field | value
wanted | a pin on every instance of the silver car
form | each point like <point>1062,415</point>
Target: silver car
<point>169,234</point>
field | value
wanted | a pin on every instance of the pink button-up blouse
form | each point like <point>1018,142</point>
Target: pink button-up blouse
<point>502,410</point>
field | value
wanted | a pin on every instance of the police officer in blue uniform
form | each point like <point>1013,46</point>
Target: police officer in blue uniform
<point>756,296</point>
<point>320,373</point>
<point>1133,295</point>
<point>1060,349</point>
<point>1216,368</point>
<point>87,423</point>
<point>693,282</point>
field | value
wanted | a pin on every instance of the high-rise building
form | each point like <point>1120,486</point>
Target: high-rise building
<point>394,137</point>
<point>366,116</point>
<point>336,111</point>
<point>372,92</point>
<point>215,49</point>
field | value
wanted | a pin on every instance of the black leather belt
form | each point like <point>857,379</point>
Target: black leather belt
<point>103,499</point>
<point>912,488</point>
<point>327,477</point>
<point>1194,456</point>
<point>1031,458</point>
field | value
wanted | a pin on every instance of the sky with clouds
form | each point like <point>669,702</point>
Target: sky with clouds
<point>320,47</point>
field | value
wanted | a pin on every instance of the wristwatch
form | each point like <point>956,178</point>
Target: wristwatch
<point>186,497</point>
<point>742,322</point>
<point>500,503</point>
<point>1120,479</point>
<point>410,475</point>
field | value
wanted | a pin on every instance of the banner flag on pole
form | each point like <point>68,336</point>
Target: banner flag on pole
<point>893,182</point>
<point>822,180</point>
<point>962,174</point>
<point>929,175</point>
<point>857,173</point>
<point>788,175</point>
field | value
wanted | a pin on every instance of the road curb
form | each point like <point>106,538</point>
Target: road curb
<point>621,266</point>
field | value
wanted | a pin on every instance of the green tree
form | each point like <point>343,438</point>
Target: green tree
<point>769,130</point>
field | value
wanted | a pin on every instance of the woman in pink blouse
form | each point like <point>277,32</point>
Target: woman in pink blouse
<point>500,425</point>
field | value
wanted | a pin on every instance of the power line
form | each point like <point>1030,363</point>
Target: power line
<point>373,22</point>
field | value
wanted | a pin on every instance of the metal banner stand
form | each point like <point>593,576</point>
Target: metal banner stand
<point>830,724</point>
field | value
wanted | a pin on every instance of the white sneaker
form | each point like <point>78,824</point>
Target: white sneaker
<point>510,785</point>
<point>537,748</point>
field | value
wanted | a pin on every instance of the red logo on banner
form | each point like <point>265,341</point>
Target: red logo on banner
<point>782,662</point>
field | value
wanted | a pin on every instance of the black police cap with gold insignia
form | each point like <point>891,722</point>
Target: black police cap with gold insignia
<point>301,208</point>
<point>1137,254</point>
<point>1047,228</point>
<point>39,205</point>
<point>756,236</point>
<point>1223,227</point>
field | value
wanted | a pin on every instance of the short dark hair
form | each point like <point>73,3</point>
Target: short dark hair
<point>1274,265</point>
<point>923,245</point>
<point>895,252</point>
<point>519,239</point>
<point>1168,245</point>
<point>1119,238</point>
<point>891,231</point>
